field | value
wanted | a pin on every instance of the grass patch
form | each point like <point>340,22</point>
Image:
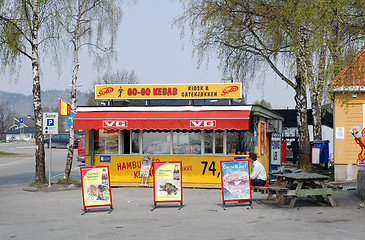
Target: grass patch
<point>68,181</point>
<point>37,185</point>
<point>6,154</point>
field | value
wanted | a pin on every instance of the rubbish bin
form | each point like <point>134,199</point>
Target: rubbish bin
<point>324,150</point>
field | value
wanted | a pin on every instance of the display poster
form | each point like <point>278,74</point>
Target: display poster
<point>96,189</point>
<point>262,137</point>
<point>169,91</point>
<point>235,178</point>
<point>167,183</point>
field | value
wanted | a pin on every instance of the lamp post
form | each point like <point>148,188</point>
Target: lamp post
<point>228,80</point>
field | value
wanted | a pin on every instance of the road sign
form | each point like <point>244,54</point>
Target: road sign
<point>21,120</point>
<point>50,123</point>
<point>69,119</point>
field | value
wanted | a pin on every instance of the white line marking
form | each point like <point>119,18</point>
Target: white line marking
<point>16,162</point>
<point>61,174</point>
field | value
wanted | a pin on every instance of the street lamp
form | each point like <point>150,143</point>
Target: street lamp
<point>228,80</point>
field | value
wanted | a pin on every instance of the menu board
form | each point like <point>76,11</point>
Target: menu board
<point>167,183</point>
<point>235,177</point>
<point>96,190</point>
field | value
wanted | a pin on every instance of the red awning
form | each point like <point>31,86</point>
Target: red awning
<point>189,117</point>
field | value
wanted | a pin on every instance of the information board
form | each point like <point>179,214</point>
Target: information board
<point>50,123</point>
<point>167,182</point>
<point>96,189</point>
<point>235,178</point>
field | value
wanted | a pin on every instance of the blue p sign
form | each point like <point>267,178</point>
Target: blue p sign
<point>50,122</point>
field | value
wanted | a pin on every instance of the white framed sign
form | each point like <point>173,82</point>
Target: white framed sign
<point>340,133</point>
<point>50,123</point>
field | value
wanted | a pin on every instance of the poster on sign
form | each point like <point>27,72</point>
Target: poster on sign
<point>235,178</point>
<point>167,182</point>
<point>96,189</point>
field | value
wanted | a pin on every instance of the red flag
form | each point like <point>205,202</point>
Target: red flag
<point>65,108</point>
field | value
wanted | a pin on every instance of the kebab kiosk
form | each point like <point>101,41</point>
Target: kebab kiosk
<point>198,136</point>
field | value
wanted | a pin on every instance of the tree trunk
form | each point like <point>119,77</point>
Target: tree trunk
<point>302,121</point>
<point>40,171</point>
<point>71,148</point>
<point>301,101</point>
<point>317,116</point>
<point>70,153</point>
<point>317,89</point>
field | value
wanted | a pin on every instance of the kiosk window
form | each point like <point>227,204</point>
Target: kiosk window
<point>186,142</point>
<point>239,142</point>
<point>156,142</point>
<point>219,141</point>
<point>106,141</point>
<point>208,141</point>
<point>135,141</point>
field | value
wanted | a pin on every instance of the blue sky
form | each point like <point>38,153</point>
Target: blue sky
<point>147,44</point>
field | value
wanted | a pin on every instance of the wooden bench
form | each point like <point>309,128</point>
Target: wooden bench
<point>329,185</point>
<point>278,189</point>
<point>261,189</point>
<point>281,194</point>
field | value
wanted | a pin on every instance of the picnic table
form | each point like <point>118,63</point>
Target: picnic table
<point>302,184</point>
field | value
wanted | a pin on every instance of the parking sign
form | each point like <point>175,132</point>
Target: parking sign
<point>50,123</point>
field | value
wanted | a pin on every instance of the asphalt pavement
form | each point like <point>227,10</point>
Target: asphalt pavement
<point>58,215</point>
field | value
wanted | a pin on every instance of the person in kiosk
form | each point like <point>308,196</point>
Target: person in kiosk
<point>258,174</point>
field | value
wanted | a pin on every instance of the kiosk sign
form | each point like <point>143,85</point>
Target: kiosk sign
<point>50,123</point>
<point>169,91</point>
<point>96,189</point>
<point>236,183</point>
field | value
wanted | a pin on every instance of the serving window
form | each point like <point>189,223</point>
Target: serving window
<point>189,142</point>
<point>156,142</point>
<point>239,142</point>
<point>186,142</point>
<point>106,141</point>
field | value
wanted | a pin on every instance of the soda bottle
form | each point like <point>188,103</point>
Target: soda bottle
<point>176,173</point>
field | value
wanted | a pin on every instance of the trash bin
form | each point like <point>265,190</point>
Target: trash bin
<point>324,149</point>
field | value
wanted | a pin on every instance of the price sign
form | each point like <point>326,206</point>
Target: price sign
<point>50,123</point>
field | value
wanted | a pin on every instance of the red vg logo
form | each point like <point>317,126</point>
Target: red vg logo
<point>202,123</point>
<point>115,124</point>
<point>104,91</point>
<point>229,89</point>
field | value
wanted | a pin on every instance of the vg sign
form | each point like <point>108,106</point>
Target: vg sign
<point>50,123</point>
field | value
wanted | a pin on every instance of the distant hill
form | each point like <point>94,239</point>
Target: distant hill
<point>23,104</point>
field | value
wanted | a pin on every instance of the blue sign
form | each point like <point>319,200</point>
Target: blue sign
<point>50,122</point>
<point>69,119</point>
<point>21,120</point>
<point>105,159</point>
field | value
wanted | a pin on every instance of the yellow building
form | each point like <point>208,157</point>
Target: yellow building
<point>349,118</point>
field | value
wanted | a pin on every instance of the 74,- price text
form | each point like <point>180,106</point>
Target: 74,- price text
<point>210,167</point>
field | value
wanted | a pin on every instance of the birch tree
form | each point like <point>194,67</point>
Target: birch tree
<point>24,25</point>
<point>248,34</point>
<point>94,24</point>
<point>306,35</point>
